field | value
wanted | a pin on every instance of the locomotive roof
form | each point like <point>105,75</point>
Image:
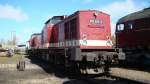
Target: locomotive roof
<point>81,11</point>
<point>36,34</point>
<point>52,18</point>
<point>145,13</point>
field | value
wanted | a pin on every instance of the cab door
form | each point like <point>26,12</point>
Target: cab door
<point>121,35</point>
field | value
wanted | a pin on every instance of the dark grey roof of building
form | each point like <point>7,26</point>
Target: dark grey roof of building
<point>145,13</point>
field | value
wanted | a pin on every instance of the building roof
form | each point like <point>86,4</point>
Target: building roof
<point>145,13</point>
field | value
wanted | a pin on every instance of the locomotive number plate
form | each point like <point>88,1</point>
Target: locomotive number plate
<point>95,21</point>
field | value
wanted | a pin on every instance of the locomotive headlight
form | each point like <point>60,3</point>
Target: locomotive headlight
<point>109,43</point>
<point>84,40</point>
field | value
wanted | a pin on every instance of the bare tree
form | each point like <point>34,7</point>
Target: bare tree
<point>14,40</point>
<point>2,41</point>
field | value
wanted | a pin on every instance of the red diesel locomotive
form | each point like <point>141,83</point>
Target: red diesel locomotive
<point>132,35</point>
<point>35,40</point>
<point>81,41</point>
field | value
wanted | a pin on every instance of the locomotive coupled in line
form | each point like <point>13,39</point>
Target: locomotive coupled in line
<point>81,41</point>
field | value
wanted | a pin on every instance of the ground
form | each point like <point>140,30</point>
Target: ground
<point>39,72</point>
<point>11,60</point>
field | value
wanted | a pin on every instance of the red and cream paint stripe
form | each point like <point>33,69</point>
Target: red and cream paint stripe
<point>80,43</point>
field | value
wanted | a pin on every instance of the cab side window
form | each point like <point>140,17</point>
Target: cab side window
<point>120,27</point>
<point>130,25</point>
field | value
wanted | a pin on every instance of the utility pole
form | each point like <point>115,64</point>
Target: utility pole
<point>13,38</point>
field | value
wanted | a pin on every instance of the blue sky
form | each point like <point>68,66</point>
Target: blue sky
<point>25,17</point>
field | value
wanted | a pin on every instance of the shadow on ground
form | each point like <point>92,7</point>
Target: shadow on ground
<point>48,67</point>
<point>61,72</point>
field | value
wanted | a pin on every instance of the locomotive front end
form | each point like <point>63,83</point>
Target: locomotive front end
<point>93,48</point>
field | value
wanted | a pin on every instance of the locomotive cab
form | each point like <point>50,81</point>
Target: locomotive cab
<point>132,30</point>
<point>132,35</point>
<point>48,30</point>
